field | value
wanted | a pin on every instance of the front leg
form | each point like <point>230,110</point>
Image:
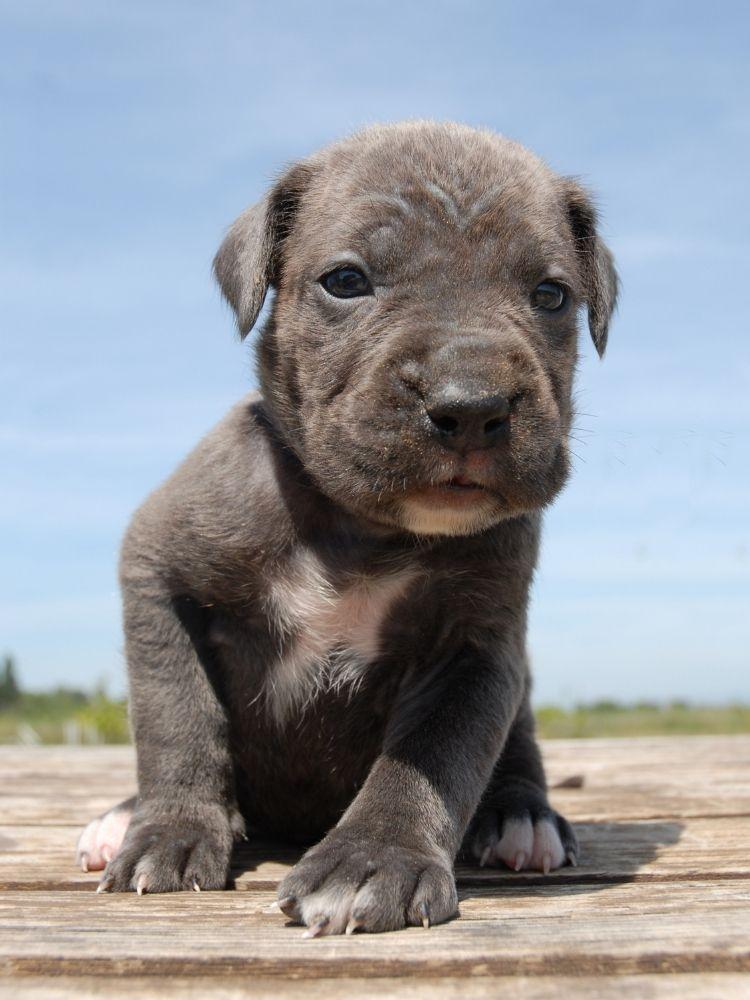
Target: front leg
<point>515,825</point>
<point>184,822</point>
<point>389,861</point>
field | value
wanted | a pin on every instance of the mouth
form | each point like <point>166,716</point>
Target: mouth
<point>461,483</point>
<point>458,491</point>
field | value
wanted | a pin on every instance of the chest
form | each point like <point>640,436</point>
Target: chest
<point>328,631</point>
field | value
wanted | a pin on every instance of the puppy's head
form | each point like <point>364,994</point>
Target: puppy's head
<point>420,350</point>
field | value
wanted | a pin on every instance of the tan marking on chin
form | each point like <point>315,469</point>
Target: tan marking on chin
<point>425,518</point>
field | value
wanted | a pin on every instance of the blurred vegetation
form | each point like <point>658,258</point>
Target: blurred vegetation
<point>61,715</point>
<point>642,718</point>
<point>69,715</point>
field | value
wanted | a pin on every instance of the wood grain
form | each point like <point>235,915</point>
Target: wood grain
<point>717,986</point>
<point>41,857</point>
<point>660,905</point>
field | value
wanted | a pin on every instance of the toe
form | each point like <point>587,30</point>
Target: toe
<point>305,879</point>
<point>161,868</point>
<point>435,899</point>
<point>380,904</point>
<point>101,840</point>
<point>88,853</point>
<point>569,840</point>
<point>548,852</point>
<point>516,845</point>
<point>329,910</point>
<point>205,868</point>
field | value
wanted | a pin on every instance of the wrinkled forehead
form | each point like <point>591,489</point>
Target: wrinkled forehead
<point>384,203</point>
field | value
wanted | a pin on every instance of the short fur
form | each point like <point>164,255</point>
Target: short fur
<point>324,639</point>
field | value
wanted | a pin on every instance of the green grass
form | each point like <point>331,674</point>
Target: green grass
<point>607,718</point>
<point>67,715</point>
<point>64,715</point>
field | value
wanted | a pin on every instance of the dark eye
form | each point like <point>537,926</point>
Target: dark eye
<point>346,283</point>
<point>549,295</point>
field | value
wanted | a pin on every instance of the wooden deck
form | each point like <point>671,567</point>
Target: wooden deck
<point>660,905</point>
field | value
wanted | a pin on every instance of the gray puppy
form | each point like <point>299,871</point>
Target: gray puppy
<point>325,605</point>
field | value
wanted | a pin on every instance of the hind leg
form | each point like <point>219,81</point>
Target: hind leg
<point>100,841</point>
<point>515,825</point>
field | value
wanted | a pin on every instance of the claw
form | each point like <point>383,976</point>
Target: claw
<point>141,886</point>
<point>353,925</point>
<point>546,863</point>
<point>84,862</point>
<point>486,855</point>
<point>424,912</point>
<point>519,861</point>
<point>287,905</point>
<point>196,887</point>
<point>107,855</point>
<point>572,859</point>
<point>317,928</point>
<point>104,885</point>
<point>272,908</point>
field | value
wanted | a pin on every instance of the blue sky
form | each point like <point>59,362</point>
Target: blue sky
<point>134,133</point>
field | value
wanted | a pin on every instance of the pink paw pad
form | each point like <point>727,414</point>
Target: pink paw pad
<point>100,841</point>
<point>525,846</point>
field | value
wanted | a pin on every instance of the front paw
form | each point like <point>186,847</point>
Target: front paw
<point>165,852</point>
<point>521,831</point>
<point>351,882</point>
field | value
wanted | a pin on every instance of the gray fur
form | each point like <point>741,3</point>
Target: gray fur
<point>259,698</point>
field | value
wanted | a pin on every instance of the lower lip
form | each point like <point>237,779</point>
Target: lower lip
<point>453,496</point>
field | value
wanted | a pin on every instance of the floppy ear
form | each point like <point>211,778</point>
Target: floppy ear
<point>595,261</point>
<point>250,259</point>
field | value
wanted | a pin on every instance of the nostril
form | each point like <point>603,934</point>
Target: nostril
<point>444,423</point>
<point>497,415</point>
<point>494,424</point>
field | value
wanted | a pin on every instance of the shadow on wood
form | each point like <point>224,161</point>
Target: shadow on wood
<point>612,853</point>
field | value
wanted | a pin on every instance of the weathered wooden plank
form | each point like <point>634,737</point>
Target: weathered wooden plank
<point>719,986</point>
<point>556,930</point>
<point>644,778</point>
<point>653,776</point>
<point>39,857</point>
<point>63,784</point>
<point>659,907</point>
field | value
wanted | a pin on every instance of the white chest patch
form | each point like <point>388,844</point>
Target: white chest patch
<point>336,632</point>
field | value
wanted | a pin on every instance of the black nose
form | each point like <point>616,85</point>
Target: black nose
<point>467,420</point>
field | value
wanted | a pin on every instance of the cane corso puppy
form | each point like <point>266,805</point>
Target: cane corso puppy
<point>325,606</point>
